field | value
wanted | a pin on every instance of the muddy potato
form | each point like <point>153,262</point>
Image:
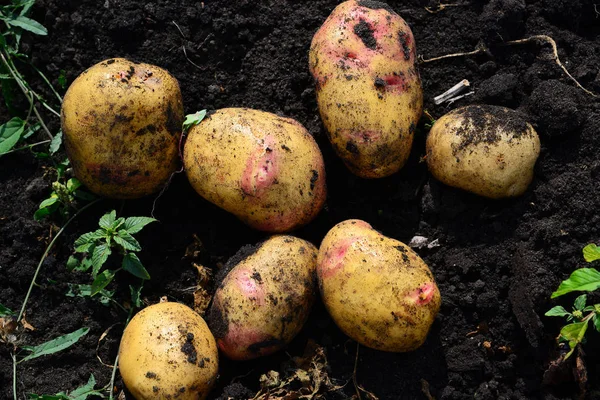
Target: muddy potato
<point>122,122</point>
<point>168,352</point>
<point>265,169</point>
<point>486,150</point>
<point>376,289</point>
<point>368,87</point>
<point>266,297</point>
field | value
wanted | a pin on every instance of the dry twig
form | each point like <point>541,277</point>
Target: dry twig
<point>442,7</point>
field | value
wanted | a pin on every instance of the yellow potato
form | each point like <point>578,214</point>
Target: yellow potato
<point>265,298</point>
<point>122,123</point>
<point>377,290</point>
<point>486,150</point>
<point>265,169</point>
<point>168,352</point>
<point>368,86</point>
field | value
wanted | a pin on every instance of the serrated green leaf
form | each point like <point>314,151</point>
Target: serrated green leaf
<point>99,257</point>
<point>193,119</point>
<point>118,222</point>
<point>580,302</point>
<point>88,238</point>
<point>558,311</point>
<point>591,252</point>
<point>82,392</point>
<point>573,334</point>
<point>55,143</point>
<point>583,279</point>
<point>29,25</point>
<point>125,240</point>
<point>56,345</point>
<point>108,219</point>
<point>136,224</point>
<point>10,133</point>
<point>5,311</point>
<point>102,280</point>
<point>133,265</point>
<point>78,290</point>
<point>73,184</point>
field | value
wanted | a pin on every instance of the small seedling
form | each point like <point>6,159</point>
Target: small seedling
<point>64,193</point>
<point>113,234</point>
<point>582,280</point>
<point>81,393</point>
<point>193,119</point>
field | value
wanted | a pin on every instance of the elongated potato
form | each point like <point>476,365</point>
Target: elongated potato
<point>265,169</point>
<point>265,299</point>
<point>368,87</point>
<point>122,123</point>
<point>168,352</point>
<point>486,150</point>
<point>376,289</point>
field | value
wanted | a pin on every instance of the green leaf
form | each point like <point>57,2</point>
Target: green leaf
<point>29,25</point>
<point>73,184</point>
<point>58,396</point>
<point>82,392</point>
<point>49,201</point>
<point>193,119</point>
<point>118,222</point>
<point>30,130</point>
<point>78,290</point>
<point>88,239</point>
<point>101,281</point>
<point>44,212</point>
<point>596,320</point>
<point>10,133</point>
<point>133,265</point>
<point>72,263</point>
<point>99,257</point>
<point>62,79</point>
<point>55,143</point>
<point>573,334</point>
<point>55,345</point>
<point>127,241</point>
<point>5,311</point>
<point>558,311</point>
<point>136,224</point>
<point>136,295</point>
<point>580,302</point>
<point>591,252</point>
<point>108,219</point>
<point>583,279</point>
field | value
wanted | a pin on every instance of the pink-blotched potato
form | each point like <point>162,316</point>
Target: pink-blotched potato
<point>265,169</point>
<point>265,298</point>
<point>122,124</point>
<point>376,289</point>
<point>368,87</point>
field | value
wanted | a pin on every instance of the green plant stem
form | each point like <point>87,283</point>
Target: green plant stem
<point>26,92</point>
<point>14,360</point>
<point>48,83</point>
<point>39,267</point>
<point>27,147</point>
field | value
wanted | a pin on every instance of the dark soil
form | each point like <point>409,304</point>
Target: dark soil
<point>498,261</point>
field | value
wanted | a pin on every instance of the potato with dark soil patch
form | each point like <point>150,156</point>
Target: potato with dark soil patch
<point>376,289</point>
<point>486,150</point>
<point>265,169</point>
<point>122,124</point>
<point>265,298</point>
<point>168,352</point>
<point>368,86</point>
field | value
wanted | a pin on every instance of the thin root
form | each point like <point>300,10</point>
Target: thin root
<point>425,390</point>
<point>480,49</point>
<point>442,7</point>
<point>548,39</point>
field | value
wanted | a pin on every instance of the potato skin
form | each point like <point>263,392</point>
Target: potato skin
<point>265,169</point>
<point>368,87</point>
<point>377,290</point>
<point>168,352</point>
<point>122,123</point>
<point>265,299</point>
<point>486,150</point>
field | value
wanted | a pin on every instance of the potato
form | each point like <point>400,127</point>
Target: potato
<point>486,150</point>
<point>168,352</point>
<point>266,297</point>
<point>377,290</point>
<point>122,123</point>
<point>368,87</point>
<point>265,169</point>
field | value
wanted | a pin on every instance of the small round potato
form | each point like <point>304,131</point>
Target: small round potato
<point>168,352</point>
<point>265,169</point>
<point>486,150</point>
<point>265,298</point>
<point>376,289</point>
<point>122,123</point>
<point>368,86</point>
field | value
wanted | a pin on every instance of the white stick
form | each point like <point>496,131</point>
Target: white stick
<point>452,92</point>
